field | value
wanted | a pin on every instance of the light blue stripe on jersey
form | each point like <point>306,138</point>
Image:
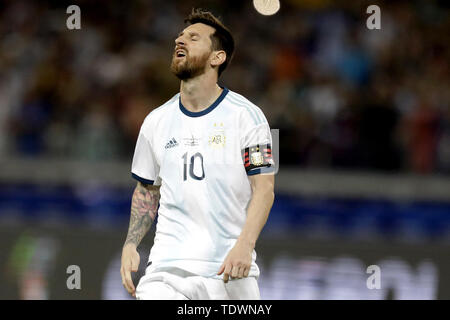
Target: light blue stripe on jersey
<point>252,106</point>
<point>242,103</point>
<point>245,103</point>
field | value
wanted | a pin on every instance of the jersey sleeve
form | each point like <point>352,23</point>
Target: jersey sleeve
<point>256,143</point>
<point>145,167</point>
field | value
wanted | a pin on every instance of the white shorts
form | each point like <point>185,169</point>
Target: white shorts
<point>177,284</point>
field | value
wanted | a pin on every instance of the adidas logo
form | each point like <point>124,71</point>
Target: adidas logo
<point>172,143</point>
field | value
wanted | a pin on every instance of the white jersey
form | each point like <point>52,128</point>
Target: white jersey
<point>202,161</point>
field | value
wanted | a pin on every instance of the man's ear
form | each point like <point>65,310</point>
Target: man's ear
<point>218,58</point>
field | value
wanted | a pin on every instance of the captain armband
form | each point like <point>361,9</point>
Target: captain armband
<point>257,157</point>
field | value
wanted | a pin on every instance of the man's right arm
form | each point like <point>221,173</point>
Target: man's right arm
<point>143,212</point>
<point>144,205</point>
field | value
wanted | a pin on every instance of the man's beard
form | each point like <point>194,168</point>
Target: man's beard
<point>190,67</point>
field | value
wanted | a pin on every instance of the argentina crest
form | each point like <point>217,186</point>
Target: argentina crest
<point>217,138</point>
<point>256,157</point>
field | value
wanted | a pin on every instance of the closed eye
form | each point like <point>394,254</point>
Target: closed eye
<point>194,36</point>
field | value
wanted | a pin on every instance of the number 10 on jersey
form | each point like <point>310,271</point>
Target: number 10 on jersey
<point>191,164</point>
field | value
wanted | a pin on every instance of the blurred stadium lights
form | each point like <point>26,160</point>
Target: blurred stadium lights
<point>267,7</point>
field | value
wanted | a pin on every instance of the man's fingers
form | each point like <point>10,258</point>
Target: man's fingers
<point>222,268</point>
<point>227,271</point>
<point>126,277</point>
<point>235,271</point>
<point>246,272</point>
<point>125,283</point>
<point>129,282</point>
<point>134,265</point>
<point>241,272</point>
<point>122,274</point>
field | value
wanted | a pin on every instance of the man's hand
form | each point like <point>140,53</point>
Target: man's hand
<point>144,205</point>
<point>238,261</point>
<point>130,263</point>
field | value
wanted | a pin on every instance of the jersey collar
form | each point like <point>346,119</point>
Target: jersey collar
<point>207,110</point>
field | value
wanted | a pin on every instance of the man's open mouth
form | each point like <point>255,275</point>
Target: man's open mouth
<point>180,53</point>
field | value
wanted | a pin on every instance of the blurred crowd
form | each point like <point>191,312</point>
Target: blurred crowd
<point>343,96</point>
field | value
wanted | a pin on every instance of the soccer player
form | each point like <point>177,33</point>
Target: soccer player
<point>205,157</point>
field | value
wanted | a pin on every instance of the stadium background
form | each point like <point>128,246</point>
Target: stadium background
<point>364,125</point>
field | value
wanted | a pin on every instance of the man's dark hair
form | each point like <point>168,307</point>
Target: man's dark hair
<point>221,39</point>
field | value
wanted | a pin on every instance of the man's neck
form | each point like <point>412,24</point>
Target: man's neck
<point>198,93</point>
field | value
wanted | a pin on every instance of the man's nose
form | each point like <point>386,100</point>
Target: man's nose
<point>179,41</point>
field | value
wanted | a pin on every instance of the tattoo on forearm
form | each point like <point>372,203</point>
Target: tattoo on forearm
<point>143,211</point>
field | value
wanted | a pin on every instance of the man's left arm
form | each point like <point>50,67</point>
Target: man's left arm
<point>238,261</point>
